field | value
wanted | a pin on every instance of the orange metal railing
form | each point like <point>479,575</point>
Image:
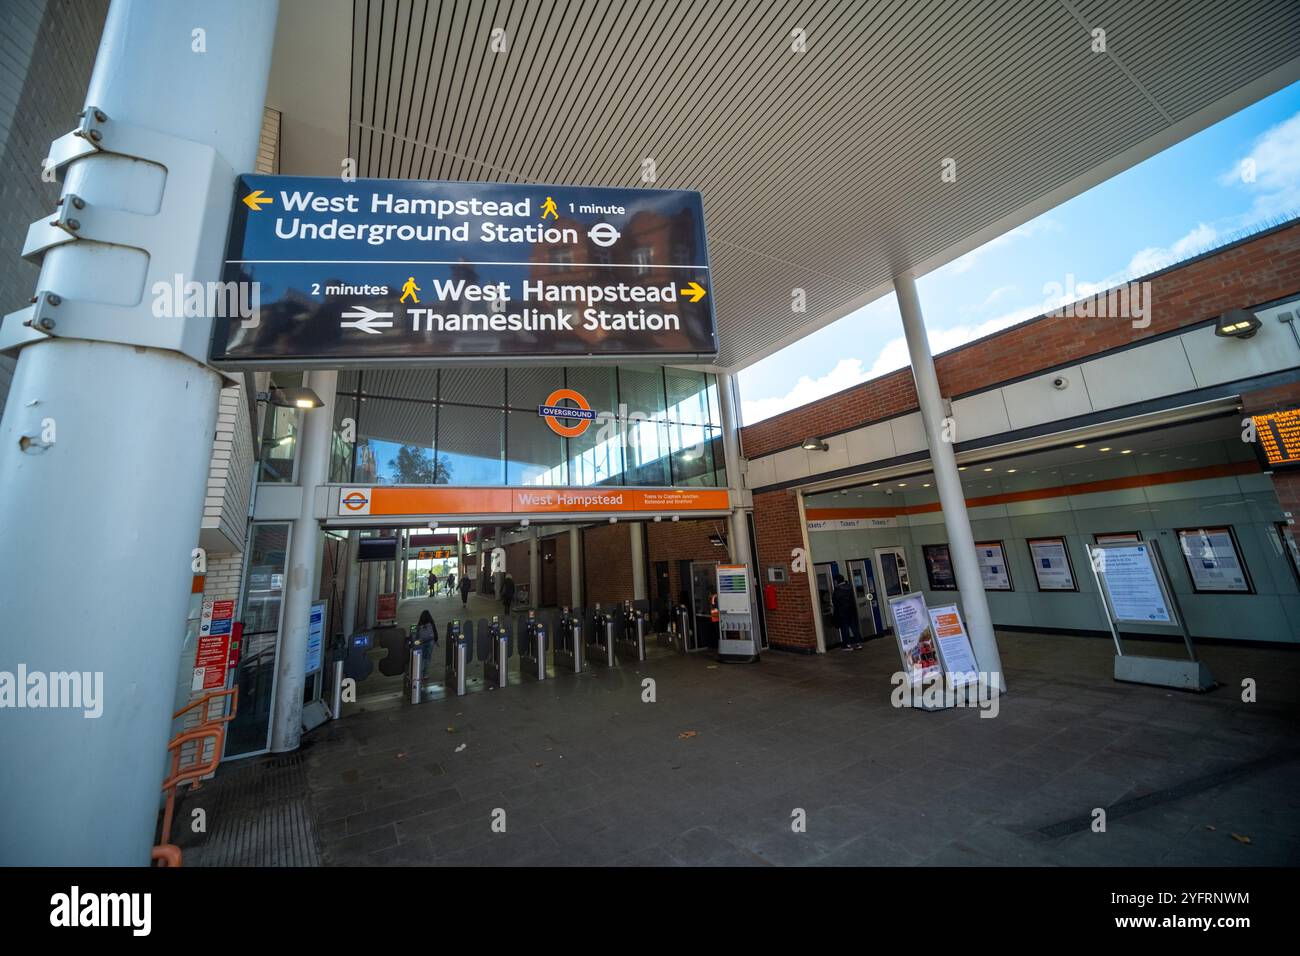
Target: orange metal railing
<point>212,729</point>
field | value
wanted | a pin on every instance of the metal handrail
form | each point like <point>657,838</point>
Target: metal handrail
<point>216,732</point>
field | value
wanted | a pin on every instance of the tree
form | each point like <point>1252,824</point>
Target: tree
<point>416,466</point>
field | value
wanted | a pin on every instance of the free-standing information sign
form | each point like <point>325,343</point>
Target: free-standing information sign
<point>381,271</point>
<point>1135,590</point>
<point>915,638</point>
<point>955,653</point>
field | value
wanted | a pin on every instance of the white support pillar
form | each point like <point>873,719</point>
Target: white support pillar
<point>636,538</point>
<point>372,595</point>
<point>353,587</point>
<point>535,568</point>
<point>119,416</point>
<point>737,525</point>
<point>404,543</point>
<point>575,566</point>
<point>961,541</point>
<point>304,566</point>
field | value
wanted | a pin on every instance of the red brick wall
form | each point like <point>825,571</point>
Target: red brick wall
<point>776,522</point>
<point>1256,270</point>
<point>674,541</point>
<point>608,564</point>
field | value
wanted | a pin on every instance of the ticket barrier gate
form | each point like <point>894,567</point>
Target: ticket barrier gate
<point>631,645</point>
<point>679,628</point>
<point>457,658</point>
<point>568,642</point>
<point>496,662</point>
<point>532,647</point>
<point>414,667</point>
<point>601,647</point>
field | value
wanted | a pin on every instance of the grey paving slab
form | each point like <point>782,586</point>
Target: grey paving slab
<point>589,775</point>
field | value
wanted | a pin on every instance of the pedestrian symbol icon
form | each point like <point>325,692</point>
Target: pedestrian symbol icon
<point>548,208</point>
<point>410,288</point>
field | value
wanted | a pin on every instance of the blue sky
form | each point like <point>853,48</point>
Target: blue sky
<point>1191,197</point>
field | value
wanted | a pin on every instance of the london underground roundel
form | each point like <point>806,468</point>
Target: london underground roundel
<point>355,500</point>
<point>567,421</point>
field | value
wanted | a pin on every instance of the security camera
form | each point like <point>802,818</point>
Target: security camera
<point>1060,383</point>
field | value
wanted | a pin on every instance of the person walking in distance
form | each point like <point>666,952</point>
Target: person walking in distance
<point>465,586</point>
<point>433,583</point>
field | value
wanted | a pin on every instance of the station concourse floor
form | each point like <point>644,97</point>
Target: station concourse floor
<point>712,771</point>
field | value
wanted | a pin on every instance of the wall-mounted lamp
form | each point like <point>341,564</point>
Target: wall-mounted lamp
<point>1237,324</point>
<point>298,397</point>
<point>815,444</point>
<point>523,522</point>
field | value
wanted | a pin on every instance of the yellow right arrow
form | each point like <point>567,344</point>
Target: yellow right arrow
<point>255,200</point>
<point>694,291</point>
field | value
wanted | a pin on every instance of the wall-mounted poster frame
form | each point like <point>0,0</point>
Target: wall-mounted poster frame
<point>1204,550</point>
<point>1053,567</point>
<point>995,572</point>
<point>938,567</point>
<point>1117,537</point>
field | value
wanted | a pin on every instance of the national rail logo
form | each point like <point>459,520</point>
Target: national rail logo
<point>557,415</point>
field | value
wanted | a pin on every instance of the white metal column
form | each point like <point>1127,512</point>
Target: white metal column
<point>738,527</point>
<point>353,586</point>
<point>636,542</point>
<point>303,565</point>
<point>575,566</point>
<point>119,414</point>
<point>961,541</point>
<point>535,567</point>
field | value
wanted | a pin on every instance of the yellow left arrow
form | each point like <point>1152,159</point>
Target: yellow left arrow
<point>694,291</point>
<point>255,200</point>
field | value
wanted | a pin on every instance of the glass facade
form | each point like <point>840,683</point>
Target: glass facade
<point>655,426</point>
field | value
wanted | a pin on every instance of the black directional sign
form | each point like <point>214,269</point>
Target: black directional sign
<point>379,272</point>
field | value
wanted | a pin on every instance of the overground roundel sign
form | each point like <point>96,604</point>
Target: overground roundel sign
<point>355,500</point>
<point>565,420</point>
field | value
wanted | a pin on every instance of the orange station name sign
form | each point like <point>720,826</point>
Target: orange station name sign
<point>397,501</point>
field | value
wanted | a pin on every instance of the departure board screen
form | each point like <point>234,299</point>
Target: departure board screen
<point>1277,435</point>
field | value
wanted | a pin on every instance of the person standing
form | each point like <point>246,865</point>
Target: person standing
<point>507,594</point>
<point>433,583</point>
<point>451,582</point>
<point>466,585</point>
<point>844,608</point>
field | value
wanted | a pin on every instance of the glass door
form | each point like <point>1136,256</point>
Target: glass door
<point>262,612</point>
<point>704,581</point>
<point>864,591</point>
<point>894,576</point>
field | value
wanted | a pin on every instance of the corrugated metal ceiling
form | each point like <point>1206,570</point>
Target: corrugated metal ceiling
<point>819,170</point>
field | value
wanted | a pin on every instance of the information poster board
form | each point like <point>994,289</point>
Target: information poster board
<point>938,567</point>
<point>955,653</point>
<point>1051,561</point>
<point>215,626</point>
<point>1118,537</point>
<point>1213,561</point>
<point>387,607</point>
<point>1132,585</point>
<point>994,571</point>
<point>315,635</point>
<point>912,630</point>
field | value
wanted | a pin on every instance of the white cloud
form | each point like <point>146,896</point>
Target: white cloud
<point>1275,159</point>
<point>846,373</point>
<point>894,354</point>
<point>1035,227</point>
<point>1153,258</point>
